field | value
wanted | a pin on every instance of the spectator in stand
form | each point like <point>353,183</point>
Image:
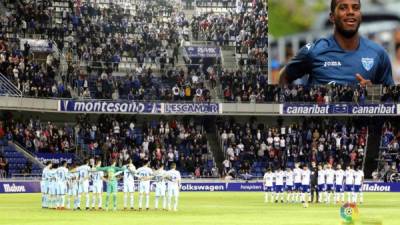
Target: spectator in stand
<point>2,168</point>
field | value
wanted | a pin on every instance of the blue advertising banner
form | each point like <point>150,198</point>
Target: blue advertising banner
<point>203,52</point>
<point>37,45</point>
<point>329,109</point>
<point>54,157</point>
<point>198,108</point>
<point>20,187</point>
<point>108,107</point>
<point>34,187</point>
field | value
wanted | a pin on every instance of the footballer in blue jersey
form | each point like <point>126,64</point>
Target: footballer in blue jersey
<point>343,58</point>
<point>44,184</point>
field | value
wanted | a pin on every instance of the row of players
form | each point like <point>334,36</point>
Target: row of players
<point>59,183</point>
<point>297,183</point>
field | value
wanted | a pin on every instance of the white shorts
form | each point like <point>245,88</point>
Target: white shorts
<point>52,188</point>
<point>44,187</point>
<point>160,189</point>
<point>97,187</point>
<point>73,190</point>
<point>144,187</point>
<point>129,186</point>
<point>173,190</point>
<point>84,186</point>
<point>61,188</point>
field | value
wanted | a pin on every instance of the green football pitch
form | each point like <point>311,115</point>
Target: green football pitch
<point>203,208</point>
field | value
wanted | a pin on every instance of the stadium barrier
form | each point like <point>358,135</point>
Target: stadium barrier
<point>34,187</point>
<point>192,108</point>
<point>341,109</point>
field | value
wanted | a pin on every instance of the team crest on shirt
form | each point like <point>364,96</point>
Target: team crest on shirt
<point>367,63</point>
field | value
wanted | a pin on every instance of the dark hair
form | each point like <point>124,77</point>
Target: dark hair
<point>334,3</point>
<point>397,46</point>
<point>63,162</point>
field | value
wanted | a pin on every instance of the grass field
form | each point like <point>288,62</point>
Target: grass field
<point>203,208</point>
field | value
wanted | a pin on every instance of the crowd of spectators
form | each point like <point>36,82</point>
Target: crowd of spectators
<point>252,146</point>
<point>252,86</point>
<point>390,94</point>
<point>35,79</point>
<point>389,150</point>
<point>171,85</point>
<point>246,26</point>
<point>94,41</point>
<point>112,137</point>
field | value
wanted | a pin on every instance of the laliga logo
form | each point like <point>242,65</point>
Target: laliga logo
<point>349,213</point>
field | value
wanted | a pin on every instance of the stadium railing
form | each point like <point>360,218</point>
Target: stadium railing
<point>7,88</point>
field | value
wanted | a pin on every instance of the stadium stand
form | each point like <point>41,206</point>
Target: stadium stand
<point>251,147</point>
<point>14,163</point>
<point>389,154</point>
<point>180,141</point>
<point>247,86</point>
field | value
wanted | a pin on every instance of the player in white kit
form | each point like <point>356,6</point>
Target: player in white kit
<point>269,177</point>
<point>279,175</point>
<point>349,183</point>
<point>144,174</point>
<point>330,178</point>
<point>321,182</point>
<point>44,184</point>
<point>129,184</point>
<point>97,190</point>
<point>305,185</point>
<point>173,186</point>
<point>297,181</point>
<point>289,182</point>
<point>358,182</point>
<point>61,184</point>
<point>339,175</point>
<point>160,186</point>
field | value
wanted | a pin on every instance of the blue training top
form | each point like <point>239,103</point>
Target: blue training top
<point>326,62</point>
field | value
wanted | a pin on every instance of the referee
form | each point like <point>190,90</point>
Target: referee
<point>313,182</point>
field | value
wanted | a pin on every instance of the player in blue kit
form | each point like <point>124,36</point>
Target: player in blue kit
<point>269,177</point>
<point>344,57</point>
<point>279,176</point>
<point>339,177</point>
<point>44,184</point>
<point>160,186</point>
<point>72,187</point>
<point>129,184</point>
<point>97,190</point>
<point>83,184</point>
<point>289,185</point>
<point>358,181</point>
<point>144,174</point>
<point>61,184</point>
<point>173,178</point>
<point>330,180</point>
<point>52,186</point>
<point>349,183</point>
<point>297,182</point>
<point>321,181</point>
<point>305,185</point>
